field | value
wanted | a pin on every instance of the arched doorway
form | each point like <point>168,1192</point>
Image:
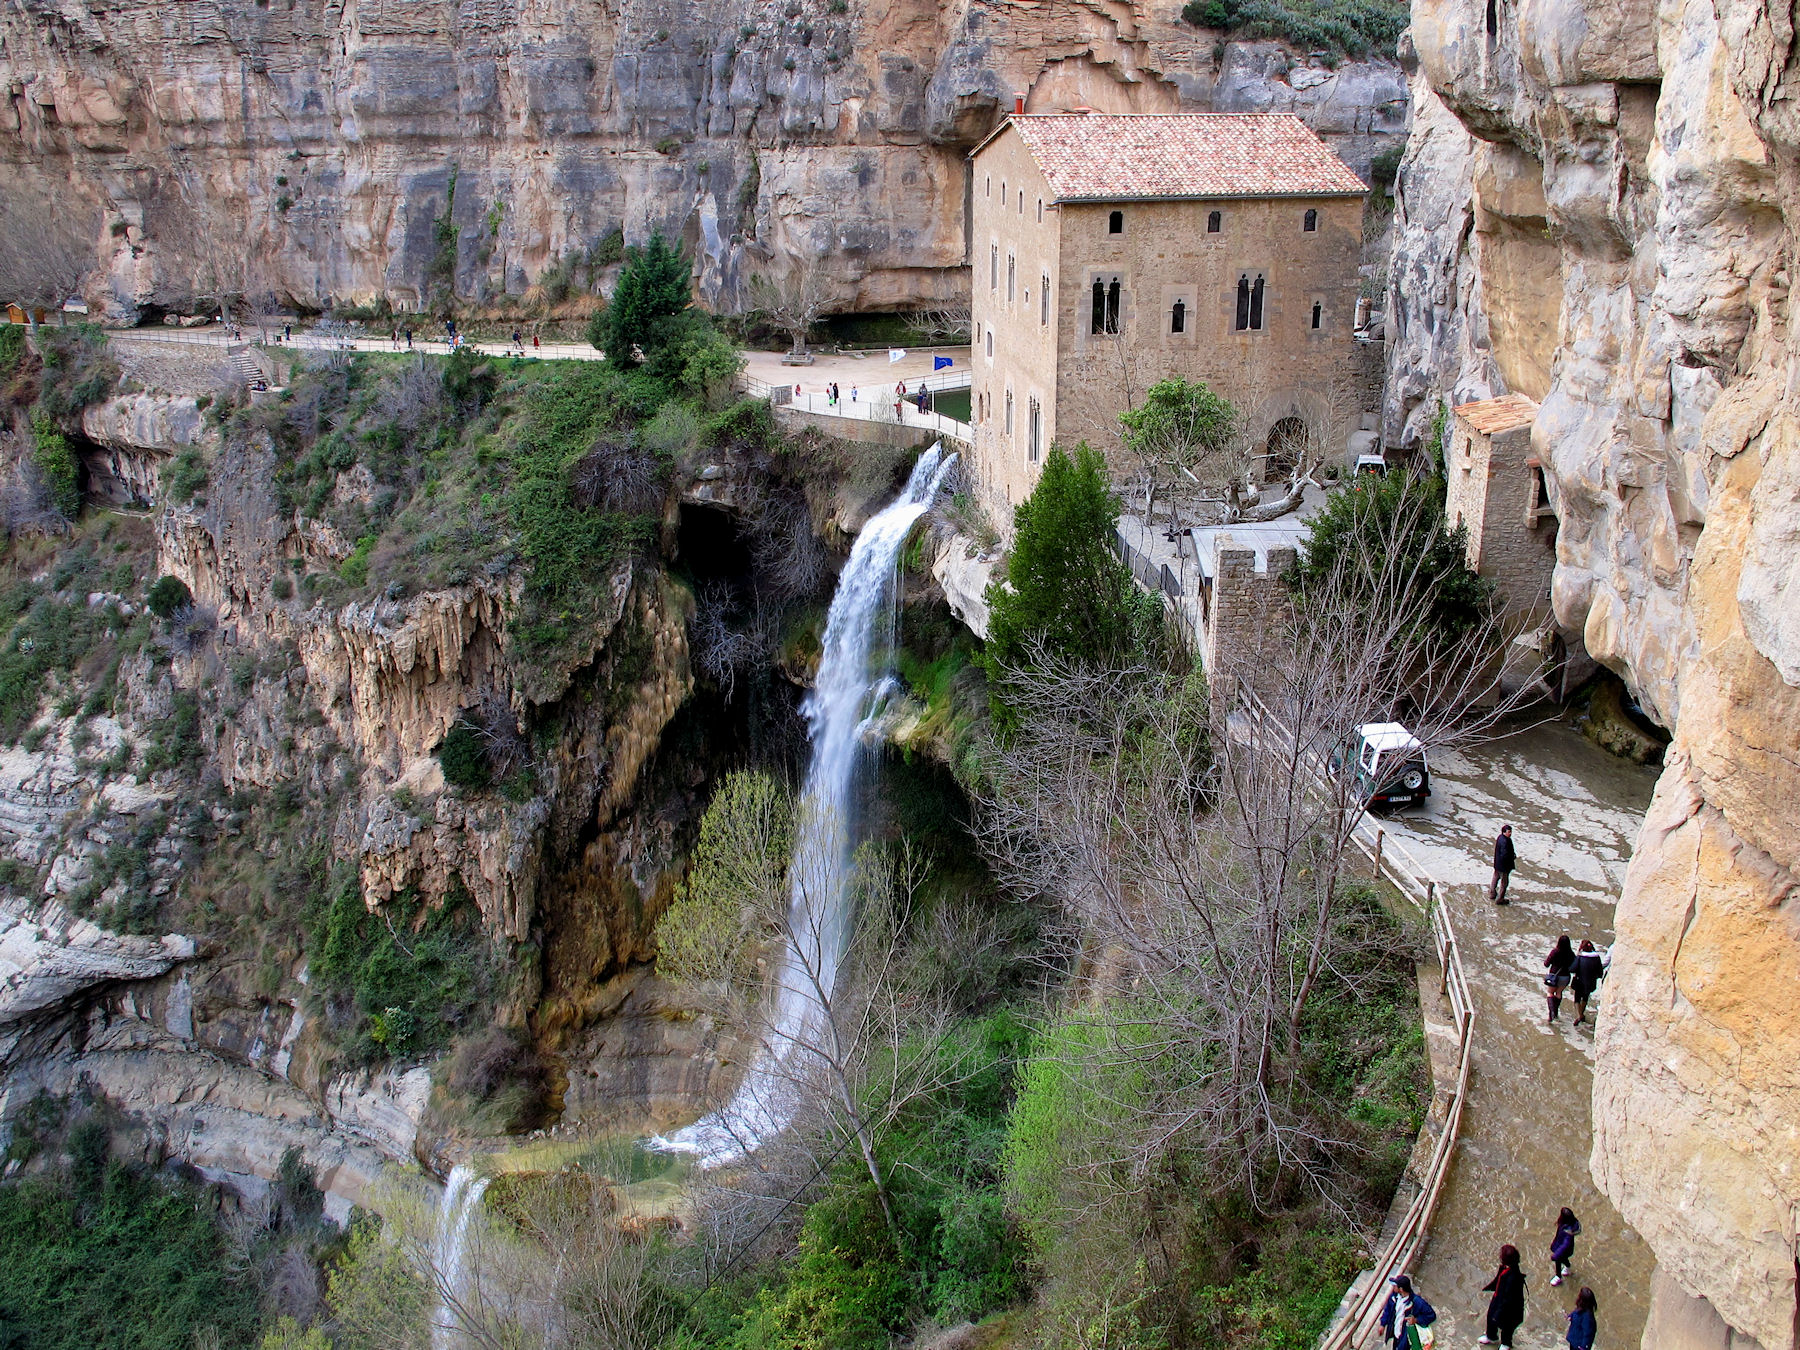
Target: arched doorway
<point>1286,445</point>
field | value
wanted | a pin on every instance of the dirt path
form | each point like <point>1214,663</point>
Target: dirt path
<point>1527,1131</point>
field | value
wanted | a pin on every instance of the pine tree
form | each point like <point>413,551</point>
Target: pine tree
<point>657,284</point>
<point>1065,589</point>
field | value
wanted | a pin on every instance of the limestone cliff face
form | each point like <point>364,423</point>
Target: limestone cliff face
<point>1623,256</point>
<point>310,148</point>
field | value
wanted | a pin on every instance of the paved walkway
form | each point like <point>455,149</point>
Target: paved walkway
<point>1527,1130</point>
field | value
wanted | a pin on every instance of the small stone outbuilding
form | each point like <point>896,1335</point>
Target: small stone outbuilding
<point>1497,488</point>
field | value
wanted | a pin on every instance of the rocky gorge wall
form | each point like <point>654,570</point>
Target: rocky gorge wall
<point>1642,158</point>
<point>309,147</point>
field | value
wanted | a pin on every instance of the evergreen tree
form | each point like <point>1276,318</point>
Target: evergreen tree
<point>1374,532</point>
<point>1065,589</point>
<point>657,284</point>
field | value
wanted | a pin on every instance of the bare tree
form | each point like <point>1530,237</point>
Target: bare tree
<point>496,726</point>
<point>844,1036</point>
<point>48,247</point>
<point>949,321</point>
<point>1209,849</point>
<point>619,473</point>
<point>793,301</point>
<point>728,636</point>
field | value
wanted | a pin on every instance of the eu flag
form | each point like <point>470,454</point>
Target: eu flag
<point>939,362</point>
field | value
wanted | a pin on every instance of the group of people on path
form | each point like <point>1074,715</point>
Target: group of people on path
<point>1407,1320</point>
<point>1568,969</point>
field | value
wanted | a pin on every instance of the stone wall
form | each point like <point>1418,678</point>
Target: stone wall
<point>1242,605</point>
<point>1491,491</point>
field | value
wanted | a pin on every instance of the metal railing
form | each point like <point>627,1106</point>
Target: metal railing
<point>1392,861</point>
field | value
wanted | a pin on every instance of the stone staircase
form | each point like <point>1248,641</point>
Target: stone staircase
<point>245,365</point>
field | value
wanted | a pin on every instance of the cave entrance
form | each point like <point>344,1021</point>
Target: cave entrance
<point>1287,442</point>
<point>710,546</point>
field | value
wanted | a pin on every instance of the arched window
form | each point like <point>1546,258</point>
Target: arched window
<point>1012,277</point>
<point>1115,223</point>
<point>1178,318</point>
<point>1034,430</point>
<point>1318,313</point>
<point>1112,306</point>
<point>1009,412</point>
<point>990,344</point>
<point>993,267</point>
<point>1099,306</point>
<point>1213,222</point>
<point>1311,222</point>
<point>1249,303</point>
<point>1044,301</point>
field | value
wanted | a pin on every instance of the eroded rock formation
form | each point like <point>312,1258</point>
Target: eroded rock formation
<point>392,147</point>
<point>1624,258</point>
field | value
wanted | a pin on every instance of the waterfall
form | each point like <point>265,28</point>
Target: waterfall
<point>845,697</point>
<point>460,1203</point>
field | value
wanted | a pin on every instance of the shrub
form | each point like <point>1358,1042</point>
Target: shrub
<point>462,758</point>
<point>77,370</point>
<point>1337,27</point>
<point>122,1261</point>
<point>412,975</point>
<point>184,476</point>
<point>166,595</point>
<point>56,462</point>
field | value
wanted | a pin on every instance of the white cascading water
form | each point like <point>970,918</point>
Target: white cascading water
<point>844,699</point>
<point>459,1205</point>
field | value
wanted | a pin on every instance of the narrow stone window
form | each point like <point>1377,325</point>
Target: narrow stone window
<point>1012,277</point>
<point>1311,223</point>
<point>1040,219</point>
<point>1035,430</point>
<point>987,189</point>
<point>1021,203</point>
<point>1112,306</point>
<point>990,344</point>
<point>1002,192</point>
<point>1318,314</point>
<point>993,267</point>
<point>1214,221</point>
<point>1115,223</point>
<point>1256,304</point>
<point>1044,302</point>
<point>1243,304</point>
<point>1009,412</point>
<point>1099,306</point>
<point>1178,318</point>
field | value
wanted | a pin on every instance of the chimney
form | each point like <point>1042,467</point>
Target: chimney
<point>1018,105</point>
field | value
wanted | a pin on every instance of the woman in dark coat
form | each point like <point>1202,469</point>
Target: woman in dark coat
<point>1558,971</point>
<point>1590,969</point>
<point>1562,1246</point>
<point>1506,1309</point>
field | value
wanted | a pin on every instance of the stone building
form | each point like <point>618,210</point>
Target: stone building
<point>1111,251</point>
<point>1496,486</point>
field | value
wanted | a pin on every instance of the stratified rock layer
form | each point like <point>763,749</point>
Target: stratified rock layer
<point>310,149</point>
<point>1624,259</point>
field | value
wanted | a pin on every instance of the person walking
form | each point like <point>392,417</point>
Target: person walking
<point>536,346</point>
<point>1590,969</point>
<point>287,332</point>
<point>1583,1325</point>
<point>409,339</point>
<point>1504,859</point>
<point>1559,968</point>
<point>1562,1246</point>
<point>853,393</point>
<point>1506,1309</point>
<point>1402,1309</point>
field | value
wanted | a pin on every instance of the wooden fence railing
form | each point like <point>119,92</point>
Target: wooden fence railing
<point>1389,859</point>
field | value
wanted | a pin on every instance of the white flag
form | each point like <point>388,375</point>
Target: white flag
<point>896,354</point>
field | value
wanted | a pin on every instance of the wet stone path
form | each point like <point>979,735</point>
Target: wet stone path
<point>1527,1130</point>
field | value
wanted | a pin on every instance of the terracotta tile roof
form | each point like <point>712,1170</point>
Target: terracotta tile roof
<point>1492,415</point>
<point>1125,156</point>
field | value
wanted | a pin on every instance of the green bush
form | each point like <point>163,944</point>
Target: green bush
<point>12,349</point>
<point>462,758</point>
<point>110,1258</point>
<point>1337,27</point>
<point>56,461</point>
<point>412,982</point>
<point>184,477</point>
<point>78,370</point>
<point>43,634</point>
<point>355,568</point>
<point>166,595</point>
